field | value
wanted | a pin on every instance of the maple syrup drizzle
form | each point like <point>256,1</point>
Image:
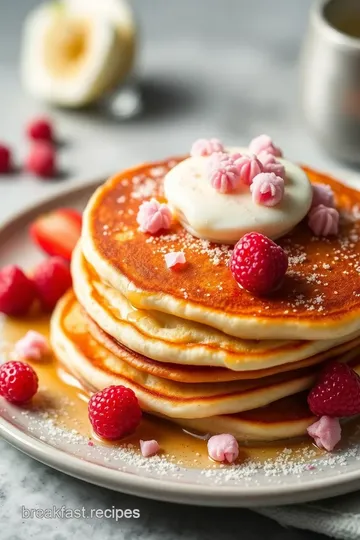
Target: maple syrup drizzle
<point>66,399</point>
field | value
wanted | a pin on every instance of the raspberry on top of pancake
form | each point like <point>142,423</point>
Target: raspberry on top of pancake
<point>320,296</point>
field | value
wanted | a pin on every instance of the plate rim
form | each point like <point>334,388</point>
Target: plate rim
<point>144,486</point>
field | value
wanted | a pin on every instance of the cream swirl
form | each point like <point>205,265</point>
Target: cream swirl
<point>226,217</point>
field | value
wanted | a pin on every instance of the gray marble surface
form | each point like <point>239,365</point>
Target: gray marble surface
<point>226,69</point>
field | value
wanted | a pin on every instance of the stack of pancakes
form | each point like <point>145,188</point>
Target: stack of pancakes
<point>194,347</point>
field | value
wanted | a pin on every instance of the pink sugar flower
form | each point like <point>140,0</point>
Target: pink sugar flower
<point>223,448</point>
<point>206,147</point>
<point>249,167</point>
<point>267,189</point>
<point>271,164</point>
<point>323,194</point>
<point>263,143</point>
<point>323,221</point>
<point>153,216</point>
<point>224,173</point>
<point>149,448</point>
<point>33,346</point>
<point>326,432</point>
<point>174,258</point>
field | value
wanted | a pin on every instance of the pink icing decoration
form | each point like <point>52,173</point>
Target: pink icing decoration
<point>223,448</point>
<point>323,221</point>
<point>323,194</point>
<point>326,432</point>
<point>174,257</point>
<point>206,147</point>
<point>267,189</point>
<point>153,216</point>
<point>149,448</point>
<point>33,346</point>
<point>263,143</point>
<point>224,173</point>
<point>249,167</point>
<point>271,164</point>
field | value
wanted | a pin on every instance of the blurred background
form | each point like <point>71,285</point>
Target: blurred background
<point>207,68</point>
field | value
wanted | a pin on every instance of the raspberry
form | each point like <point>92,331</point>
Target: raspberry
<point>258,264</point>
<point>336,393</point>
<point>41,160</point>
<point>114,412</point>
<point>5,159</point>
<point>52,279</point>
<point>18,382</point>
<point>17,291</point>
<point>40,129</point>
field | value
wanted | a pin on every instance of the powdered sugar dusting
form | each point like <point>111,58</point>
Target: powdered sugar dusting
<point>217,253</point>
<point>300,462</point>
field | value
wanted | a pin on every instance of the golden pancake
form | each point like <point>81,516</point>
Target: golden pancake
<point>319,299</point>
<point>99,368</point>
<point>286,418</point>
<point>169,339</point>
<point>195,374</point>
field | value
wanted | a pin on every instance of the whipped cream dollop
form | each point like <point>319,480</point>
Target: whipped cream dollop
<point>326,432</point>
<point>225,217</point>
<point>149,448</point>
<point>33,346</point>
<point>223,447</point>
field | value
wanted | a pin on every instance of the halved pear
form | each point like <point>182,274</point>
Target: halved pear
<point>68,58</point>
<point>119,13</point>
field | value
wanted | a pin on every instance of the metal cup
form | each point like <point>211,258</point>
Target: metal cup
<point>330,68</point>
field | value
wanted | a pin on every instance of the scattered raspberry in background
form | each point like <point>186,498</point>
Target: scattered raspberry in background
<point>52,279</point>
<point>40,129</point>
<point>57,232</point>
<point>5,159</point>
<point>41,160</point>
<point>336,393</point>
<point>258,264</point>
<point>114,412</point>
<point>18,382</point>
<point>17,291</point>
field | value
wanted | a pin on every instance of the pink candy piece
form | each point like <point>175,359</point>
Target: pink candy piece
<point>153,216</point>
<point>223,448</point>
<point>323,194</point>
<point>206,147</point>
<point>149,448</point>
<point>33,346</point>
<point>326,432</point>
<point>263,143</point>
<point>174,257</point>
<point>323,221</point>
<point>249,167</point>
<point>271,164</point>
<point>267,189</point>
<point>224,173</point>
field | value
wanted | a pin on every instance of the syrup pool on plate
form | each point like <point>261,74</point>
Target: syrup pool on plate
<point>64,399</point>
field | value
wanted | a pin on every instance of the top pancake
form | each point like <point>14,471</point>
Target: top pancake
<point>319,299</point>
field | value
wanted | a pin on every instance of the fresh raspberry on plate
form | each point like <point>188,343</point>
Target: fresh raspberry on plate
<point>40,129</point>
<point>18,382</point>
<point>114,412</point>
<point>57,232</point>
<point>258,264</point>
<point>41,160</point>
<point>5,159</point>
<point>336,393</point>
<point>52,279</point>
<point>17,291</point>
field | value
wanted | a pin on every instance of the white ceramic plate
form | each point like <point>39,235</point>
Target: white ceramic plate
<point>242,486</point>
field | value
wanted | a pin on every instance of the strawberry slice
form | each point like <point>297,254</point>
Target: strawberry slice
<point>57,233</point>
